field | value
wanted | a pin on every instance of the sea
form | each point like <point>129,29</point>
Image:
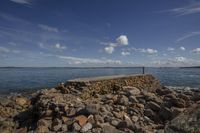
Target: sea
<point>22,79</point>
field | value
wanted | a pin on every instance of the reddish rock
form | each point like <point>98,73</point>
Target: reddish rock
<point>81,119</point>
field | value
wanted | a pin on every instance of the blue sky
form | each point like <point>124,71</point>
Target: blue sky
<point>42,33</point>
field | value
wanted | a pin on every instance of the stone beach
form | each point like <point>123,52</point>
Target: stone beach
<point>112,104</point>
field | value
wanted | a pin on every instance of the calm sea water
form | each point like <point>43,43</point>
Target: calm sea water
<point>24,79</point>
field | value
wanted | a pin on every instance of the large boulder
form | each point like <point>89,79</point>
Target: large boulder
<point>187,122</point>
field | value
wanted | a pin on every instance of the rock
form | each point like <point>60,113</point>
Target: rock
<point>126,123</point>
<point>81,119</point>
<point>123,100</point>
<point>177,102</point>
<point>42,126</point>
<point>133,99</point>
<point>187,122</point>
<point>163,91</point>
<point>176,111</point>
<point>76,127</point>
<point>152,97</point>
<point>21,130</point>
<point>134,118</point>
<point>21,101</point>
<point>98,118</point>
<point>56,124</point>
<point>107,128</point>
<point>165,113</point>
<point>114,122</point>
<point>149,113</point>
<point>92,108</point>
<point>86,127</point>
<point>131,90</point>
<point>154,106</point>
<point>64,119</point>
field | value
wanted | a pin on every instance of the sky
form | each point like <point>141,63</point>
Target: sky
<point>99,33</point>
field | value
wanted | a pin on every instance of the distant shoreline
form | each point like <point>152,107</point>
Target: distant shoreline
<point>101,67</point>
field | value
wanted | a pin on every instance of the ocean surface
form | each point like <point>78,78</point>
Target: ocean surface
<point>27,79</point>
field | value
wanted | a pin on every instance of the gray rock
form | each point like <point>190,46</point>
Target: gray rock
<point>187,122</point>
<point>76,127</point>
<point>92,108</point>
<point>154,106</point>
<point>123,100</point>
<point>132,90</point>
<point>114,123</point>
<point>133,99</point>
<point>86,127</point>
<point>107,128</point>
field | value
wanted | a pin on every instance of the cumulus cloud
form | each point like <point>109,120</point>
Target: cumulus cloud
<point>28,2</point>
<point>122,40</point>
<point>48,28</point>
<point>196,50</point>
<point>180,59</point>
<point>59,46</point>
<point>170,49</point>
<point>109,49</point>
<point>125,53</point>
<point>182,48</point>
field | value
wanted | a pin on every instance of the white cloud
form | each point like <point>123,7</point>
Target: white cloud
<point>109,49</point>
<point>148,51</point>
<point>180,59</point>
<point>191,34</point>
<point>4,50</point>
<point>125,53</point>
<point>123,40</point>
<point>196,50</point>
<point>76,60</point>
<point>190,9</point>
<point>170,49</point>
<point>48,28</point>
<point>177,62</point>
<point>28,2</point>
<point>7,50</point>
<point>59,46</point>
<point>182,48</point>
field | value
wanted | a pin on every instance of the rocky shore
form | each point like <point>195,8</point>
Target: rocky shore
<point>137,104</point>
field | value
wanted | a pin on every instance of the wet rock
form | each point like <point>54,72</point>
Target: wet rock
<point>86,127</point>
